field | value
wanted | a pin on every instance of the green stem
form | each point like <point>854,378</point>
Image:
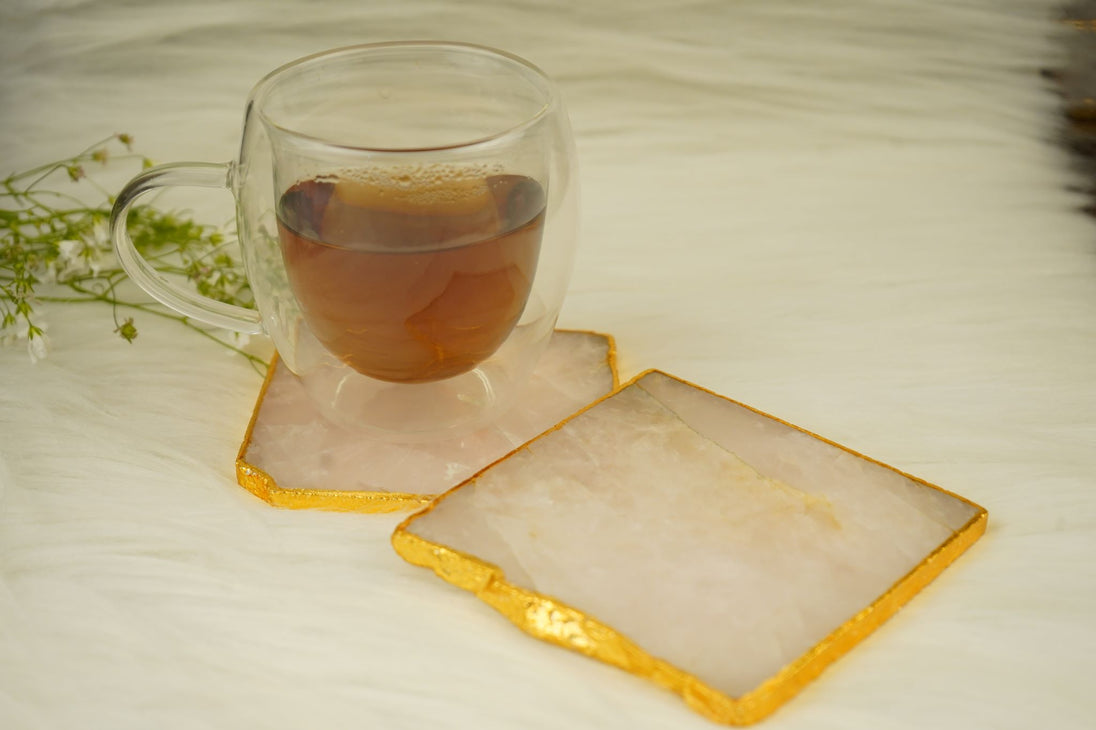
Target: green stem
<point>50,168</point>
<point>92,296</point>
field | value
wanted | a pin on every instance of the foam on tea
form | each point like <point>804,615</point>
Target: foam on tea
<point>415,275</point>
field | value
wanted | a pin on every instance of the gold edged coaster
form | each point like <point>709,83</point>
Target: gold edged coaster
<point>694,541</point>
<point>292,458</point>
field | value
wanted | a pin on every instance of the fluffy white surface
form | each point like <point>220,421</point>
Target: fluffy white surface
<point>853,215</point>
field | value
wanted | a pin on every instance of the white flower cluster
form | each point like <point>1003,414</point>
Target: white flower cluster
<point>34,333</point>
<point>75,258</point>
<point>54,248</point>
<point>81,257</point>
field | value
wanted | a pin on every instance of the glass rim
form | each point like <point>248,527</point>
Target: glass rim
<point>271,79</point>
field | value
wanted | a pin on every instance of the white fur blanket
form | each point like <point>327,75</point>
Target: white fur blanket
<point>855,215</point>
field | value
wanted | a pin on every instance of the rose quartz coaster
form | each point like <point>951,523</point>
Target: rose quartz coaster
<point>291,457</point>
<point>706,546</point>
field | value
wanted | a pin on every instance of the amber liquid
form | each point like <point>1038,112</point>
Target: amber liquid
<point>412,278</point>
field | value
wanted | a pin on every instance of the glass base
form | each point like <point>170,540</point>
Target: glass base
<point>295,457</point>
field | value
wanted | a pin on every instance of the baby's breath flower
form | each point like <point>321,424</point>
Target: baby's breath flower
<point>72,261</point>
<point>69,249</point>
<point>127,331</point>
<point>99,233</point>
<point>37,346</point>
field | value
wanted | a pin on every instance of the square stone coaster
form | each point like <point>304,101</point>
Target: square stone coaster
<point>686,538</point>
<point>292,457</point>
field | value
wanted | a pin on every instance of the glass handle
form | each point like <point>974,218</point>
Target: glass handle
<point>179,298</point>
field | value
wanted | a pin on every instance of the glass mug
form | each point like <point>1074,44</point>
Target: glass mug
<point>407,214</point>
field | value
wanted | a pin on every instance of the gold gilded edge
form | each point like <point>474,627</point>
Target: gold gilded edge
<point>263,486</point>
<point>258,404</point>
<point>540,616</point>
<point>555,622</point>
<point>610,352</point>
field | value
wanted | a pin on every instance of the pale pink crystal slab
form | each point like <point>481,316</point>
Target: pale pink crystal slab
<point>292,457</point>
<point>689,539</point>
